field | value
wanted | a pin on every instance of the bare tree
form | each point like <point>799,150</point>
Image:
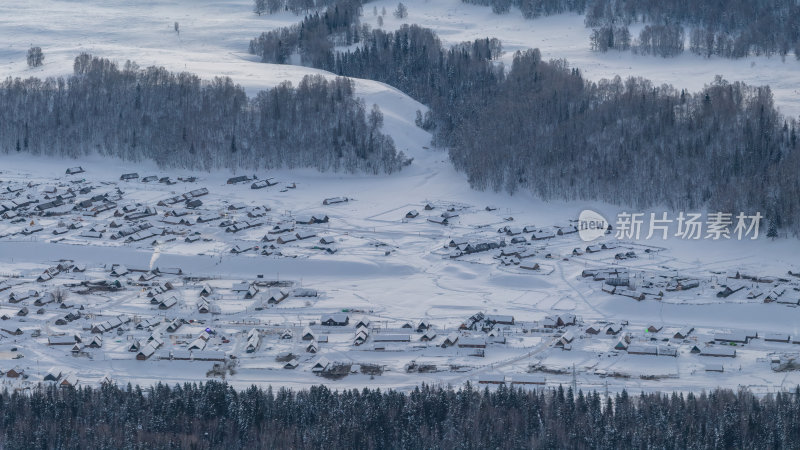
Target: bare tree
<point>35,57</point>
<point>60,294</point>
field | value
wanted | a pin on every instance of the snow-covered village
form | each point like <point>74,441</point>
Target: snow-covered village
<point>146,277</point>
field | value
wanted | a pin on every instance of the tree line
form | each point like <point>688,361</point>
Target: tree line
<point>295,6</point>
<point>178,120</point>
<point>215,415</point>
<point>726,28</point>
<point>542,127</point>
<point>660,40</point>
<point>532,9</point>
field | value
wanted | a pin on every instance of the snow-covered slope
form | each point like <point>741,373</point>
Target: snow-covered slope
<point>213,41</point>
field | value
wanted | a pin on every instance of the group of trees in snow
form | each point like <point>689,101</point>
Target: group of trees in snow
<point>215,415</point>
<point>610,37</point>
<point>177,120</point>
<point>727,28</point>
<point>532,9</point>
<point>542,127</point>
<point>455,82</point>
<point>662,40</point>
<point>295,6</point>
<point>35,57</point>
<point>314,38</point>
<point>413,60</point>
<point>547,130</point>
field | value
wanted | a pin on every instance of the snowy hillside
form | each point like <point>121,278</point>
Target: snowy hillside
<point>565,37</point>
<point>212,42</point>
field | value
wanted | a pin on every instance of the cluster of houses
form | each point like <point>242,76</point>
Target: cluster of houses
<point>516,254</point>
<point>474,335</point>
<point>536,233</point>
<point>54,375</point>
<point>518,245</point>
<point>656,341</point>
<point>21,202</point>
<point>782,290</point>
<point>403,336</point>
<point>163,338</point>
<point>156,285</point>
<point>618,280</point>
<point>523,379</point>
<point>597,248</point>
<point>173,219</point>
<point>461,247</point>
<point>77,202</point>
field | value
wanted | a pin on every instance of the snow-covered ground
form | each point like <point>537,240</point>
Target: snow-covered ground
<point>390,269</point>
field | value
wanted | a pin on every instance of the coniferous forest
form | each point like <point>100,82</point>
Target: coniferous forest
<point>178,120</point>
<point>215,415</point>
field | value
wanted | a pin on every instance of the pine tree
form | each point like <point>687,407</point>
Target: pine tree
<point>401,12</point>
<point>772,230</point>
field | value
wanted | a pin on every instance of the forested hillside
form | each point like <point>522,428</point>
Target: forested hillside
<point>178,120</point>
<point>215,415</point>
<point>542,127</point>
